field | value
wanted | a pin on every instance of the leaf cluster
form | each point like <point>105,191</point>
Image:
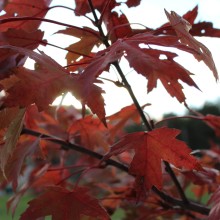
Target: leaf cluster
<point>85,166</point>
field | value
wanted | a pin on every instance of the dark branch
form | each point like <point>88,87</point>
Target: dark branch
<point>69,146</point>
<point>135,101</point>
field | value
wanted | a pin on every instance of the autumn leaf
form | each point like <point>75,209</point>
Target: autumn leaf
<point>52,80</point>
<point>11,137</point>
<point>22,8</point>
<point>120,119</point>
<point>19,38</point>
<point>205,29</point>
<point>118,26</point>
<point>182,28</point>
<point>89,132</point>
<point>14,163</point>
<point>82,6</point>
<point>64,205</point>
<point>150,149</point>
<point>215,209</point>
<point>191,15</point>
<point>88,40</point>
<point>150,64</point>
<point>6,116</point>
<point>214,122</point>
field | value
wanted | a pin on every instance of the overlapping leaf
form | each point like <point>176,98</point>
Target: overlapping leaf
<point>11,137</point>
<point>118,26</point>
<point>150,149</point>
<point>19,38</point>
<point>88,39</point>
<point>22,8</point>
<point>150,64</point>
<point>214,122</point>
<point>182,27</point>
<point>89,132</point>
<point>15,160</point>
<point>49,80</point>
<point>82,6</point>
<point>64,205</point>
<point>215,201</point>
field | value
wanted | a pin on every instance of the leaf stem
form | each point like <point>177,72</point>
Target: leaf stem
<point>134,99</point>
<point>98,24</point>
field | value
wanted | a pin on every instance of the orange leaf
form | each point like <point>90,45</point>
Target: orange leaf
<point>84,46</point>
<point>89,132</point>
<point>150,149</point>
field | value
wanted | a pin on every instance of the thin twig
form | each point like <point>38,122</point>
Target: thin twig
<point>27,18</point>
<point>66,146</point>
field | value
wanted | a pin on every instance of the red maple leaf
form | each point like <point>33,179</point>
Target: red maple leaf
<point>19,38</point>
<point>215,210</point>
<point>22,8</point>
<point>52,80</point>
<point>150,149</point>
<point>182,28</point>
<point>82,6</point>
<point>149,64</point>
<point>14,163</point>
<point>214,122</point>
<point>117,26</point>
<point>89,132</point>
<point>63,204</point>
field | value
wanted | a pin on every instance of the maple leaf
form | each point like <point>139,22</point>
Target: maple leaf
<point>22,8</point>
<point>214,122</point>
<point>82,6</point>
<point>182,27</point>
<point>119,119</point>
<point>16,159</point>
<point>150,149</point>
<point>190,16</point>
<point>6,116</point>
<point>204,29</point>
<point>149,64</point>
<point>117,26</point>
<point>88,39</point>
<point>215,210</point>
<point>64,205</point>
<point>90,132</point>
<point>205,176</point>
<point>11,137</point>
<point>19,38</point>
<point>52,80</point>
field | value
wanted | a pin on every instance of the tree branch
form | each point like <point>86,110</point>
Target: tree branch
<point>27,18</point>
<point>135,101</point>
<point>192,206</point>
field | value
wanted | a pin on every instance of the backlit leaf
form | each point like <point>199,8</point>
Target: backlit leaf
<point>182,27</point>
